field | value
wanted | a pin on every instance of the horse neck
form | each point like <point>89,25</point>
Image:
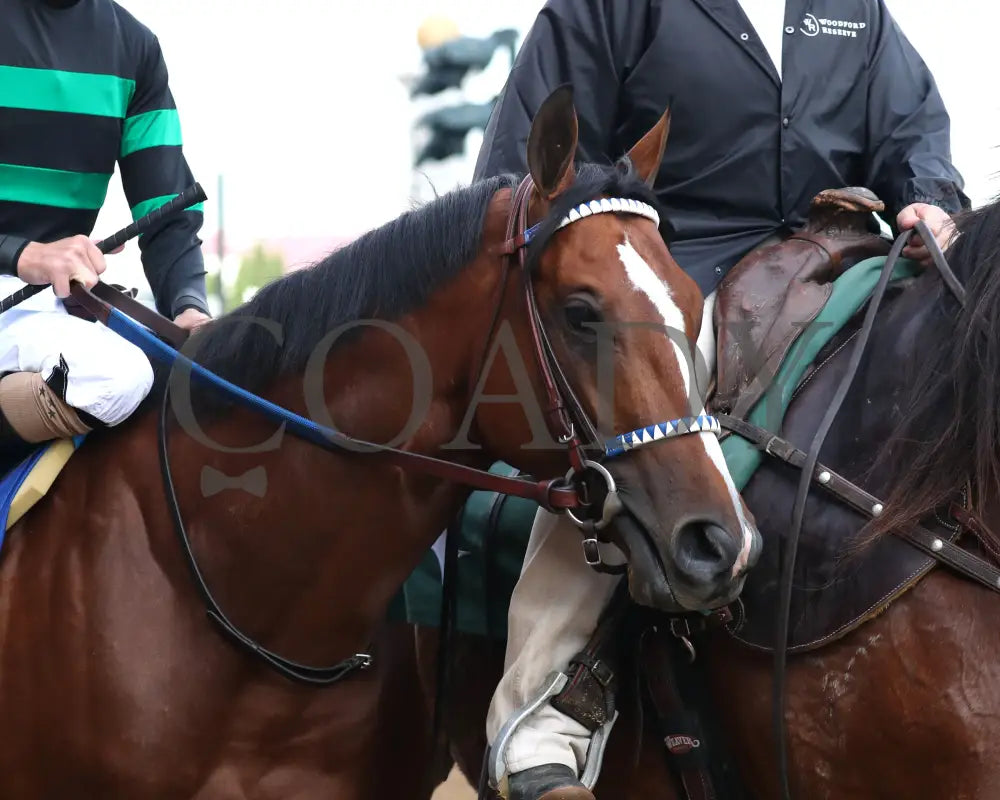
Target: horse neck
<point>313,563</point>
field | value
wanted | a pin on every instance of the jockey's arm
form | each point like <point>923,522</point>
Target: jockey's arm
<point>909,130</point>
<point>589,43</point>
<point>154,170</point>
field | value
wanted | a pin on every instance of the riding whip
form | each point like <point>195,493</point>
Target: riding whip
<point>193,194</point>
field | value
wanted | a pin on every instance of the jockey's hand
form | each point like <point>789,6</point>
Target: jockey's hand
<point>59,263</point>
<point>938,221</point>
<point>191,318</point>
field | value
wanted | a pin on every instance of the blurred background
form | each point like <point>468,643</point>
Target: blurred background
<point>309,122</point>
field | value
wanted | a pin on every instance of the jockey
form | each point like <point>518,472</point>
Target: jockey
<point>83,85</point>
<point>771,102</point>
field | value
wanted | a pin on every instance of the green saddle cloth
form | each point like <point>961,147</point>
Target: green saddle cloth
<point>494,537</point>
<point>495,529</point>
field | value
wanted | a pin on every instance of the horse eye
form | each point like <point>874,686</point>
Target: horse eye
<point>582,314</point>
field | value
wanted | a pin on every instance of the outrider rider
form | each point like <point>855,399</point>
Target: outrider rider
<point>771,103</point>
<point>83,87</point>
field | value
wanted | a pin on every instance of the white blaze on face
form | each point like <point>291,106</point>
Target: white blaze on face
<point>646,281</point>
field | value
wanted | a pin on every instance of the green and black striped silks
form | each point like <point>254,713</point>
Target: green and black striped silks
<point>84,90</point>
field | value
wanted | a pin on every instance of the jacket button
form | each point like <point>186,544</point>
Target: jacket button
<point>718,270</point>
<point>784,122</point>
<point>744,36</point>
<point>789,30</point>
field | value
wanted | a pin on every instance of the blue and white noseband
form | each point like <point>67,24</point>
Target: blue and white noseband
<point>659,432</point>
<point>624,443</point>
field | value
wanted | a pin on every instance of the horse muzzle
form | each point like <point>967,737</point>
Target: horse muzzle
<point>702,566</point>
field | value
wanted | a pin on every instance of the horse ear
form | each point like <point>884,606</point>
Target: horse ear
<point>648,151</point>
<point>552,143</point>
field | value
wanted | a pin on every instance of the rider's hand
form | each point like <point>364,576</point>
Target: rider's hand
<point>191,318</point>
<point>938,221</point>
<point>59,263</point>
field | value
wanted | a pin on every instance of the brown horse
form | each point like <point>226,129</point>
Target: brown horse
<point>893,685</point>
<point>115,683</point>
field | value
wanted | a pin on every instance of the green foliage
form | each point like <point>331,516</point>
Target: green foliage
<point>257,269</point>
<point>213,283</point>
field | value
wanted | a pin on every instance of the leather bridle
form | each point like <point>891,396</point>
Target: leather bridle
<point>564,414</point>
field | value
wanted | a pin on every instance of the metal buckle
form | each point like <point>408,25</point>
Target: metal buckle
<point>612,502</point>
<point>681,629</point>
<point>591,554</point>
<point>602,673</point>
<point>566,438</point>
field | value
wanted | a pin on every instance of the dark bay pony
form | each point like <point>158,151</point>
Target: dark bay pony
<point>908,703</point>
<point>115,683</point>
<point>905,701</point>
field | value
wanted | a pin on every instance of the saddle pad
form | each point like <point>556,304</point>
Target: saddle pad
<point>492,541</point>
<point>482,609</point>
<point>850,291</point>
<point>842,576</point>
<point>27,483</point>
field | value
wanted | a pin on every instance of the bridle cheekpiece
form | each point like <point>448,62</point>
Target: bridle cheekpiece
<point>564,414</point>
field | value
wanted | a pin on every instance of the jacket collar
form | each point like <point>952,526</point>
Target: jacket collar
<point>729,16</point>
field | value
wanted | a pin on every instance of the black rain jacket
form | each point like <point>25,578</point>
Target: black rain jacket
<point>747,151</point>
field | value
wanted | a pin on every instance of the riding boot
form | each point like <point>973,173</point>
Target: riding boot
<point>34,412</point>
<point>586,695</point>
<point>547,782</point>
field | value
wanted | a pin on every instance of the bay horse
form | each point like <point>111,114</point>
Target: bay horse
<point>893,679</point>
<point>115,678</point>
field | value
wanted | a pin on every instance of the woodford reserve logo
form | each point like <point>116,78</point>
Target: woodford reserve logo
<point>814,26</point>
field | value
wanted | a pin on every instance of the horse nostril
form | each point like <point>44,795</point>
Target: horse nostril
<point>705,552</point>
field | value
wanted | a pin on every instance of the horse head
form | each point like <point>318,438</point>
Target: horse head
<point>616,319</point>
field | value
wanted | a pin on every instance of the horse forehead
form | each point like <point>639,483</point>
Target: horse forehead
<point>645,282</point>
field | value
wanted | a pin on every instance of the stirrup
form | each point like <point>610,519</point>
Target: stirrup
<point>555,682</point>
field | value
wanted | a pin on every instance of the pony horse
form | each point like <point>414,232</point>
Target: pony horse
<point>144,610</point>
<point>892,684</point>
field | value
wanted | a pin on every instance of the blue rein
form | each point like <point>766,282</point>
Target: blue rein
<point>157,349</point>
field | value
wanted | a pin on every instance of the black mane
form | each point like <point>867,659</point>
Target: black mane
<point>949,429</point>
<point>384,274</point>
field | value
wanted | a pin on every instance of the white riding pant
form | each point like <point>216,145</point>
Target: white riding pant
<point>554,611</point>
<point>106,376</point>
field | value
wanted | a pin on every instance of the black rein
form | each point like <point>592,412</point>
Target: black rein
<point>809,468</point>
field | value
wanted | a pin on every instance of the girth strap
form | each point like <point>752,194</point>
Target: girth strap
<point>959,559</point>
<point>682,735</point>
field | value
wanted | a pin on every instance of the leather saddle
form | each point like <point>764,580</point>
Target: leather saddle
<point>768,299</point>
